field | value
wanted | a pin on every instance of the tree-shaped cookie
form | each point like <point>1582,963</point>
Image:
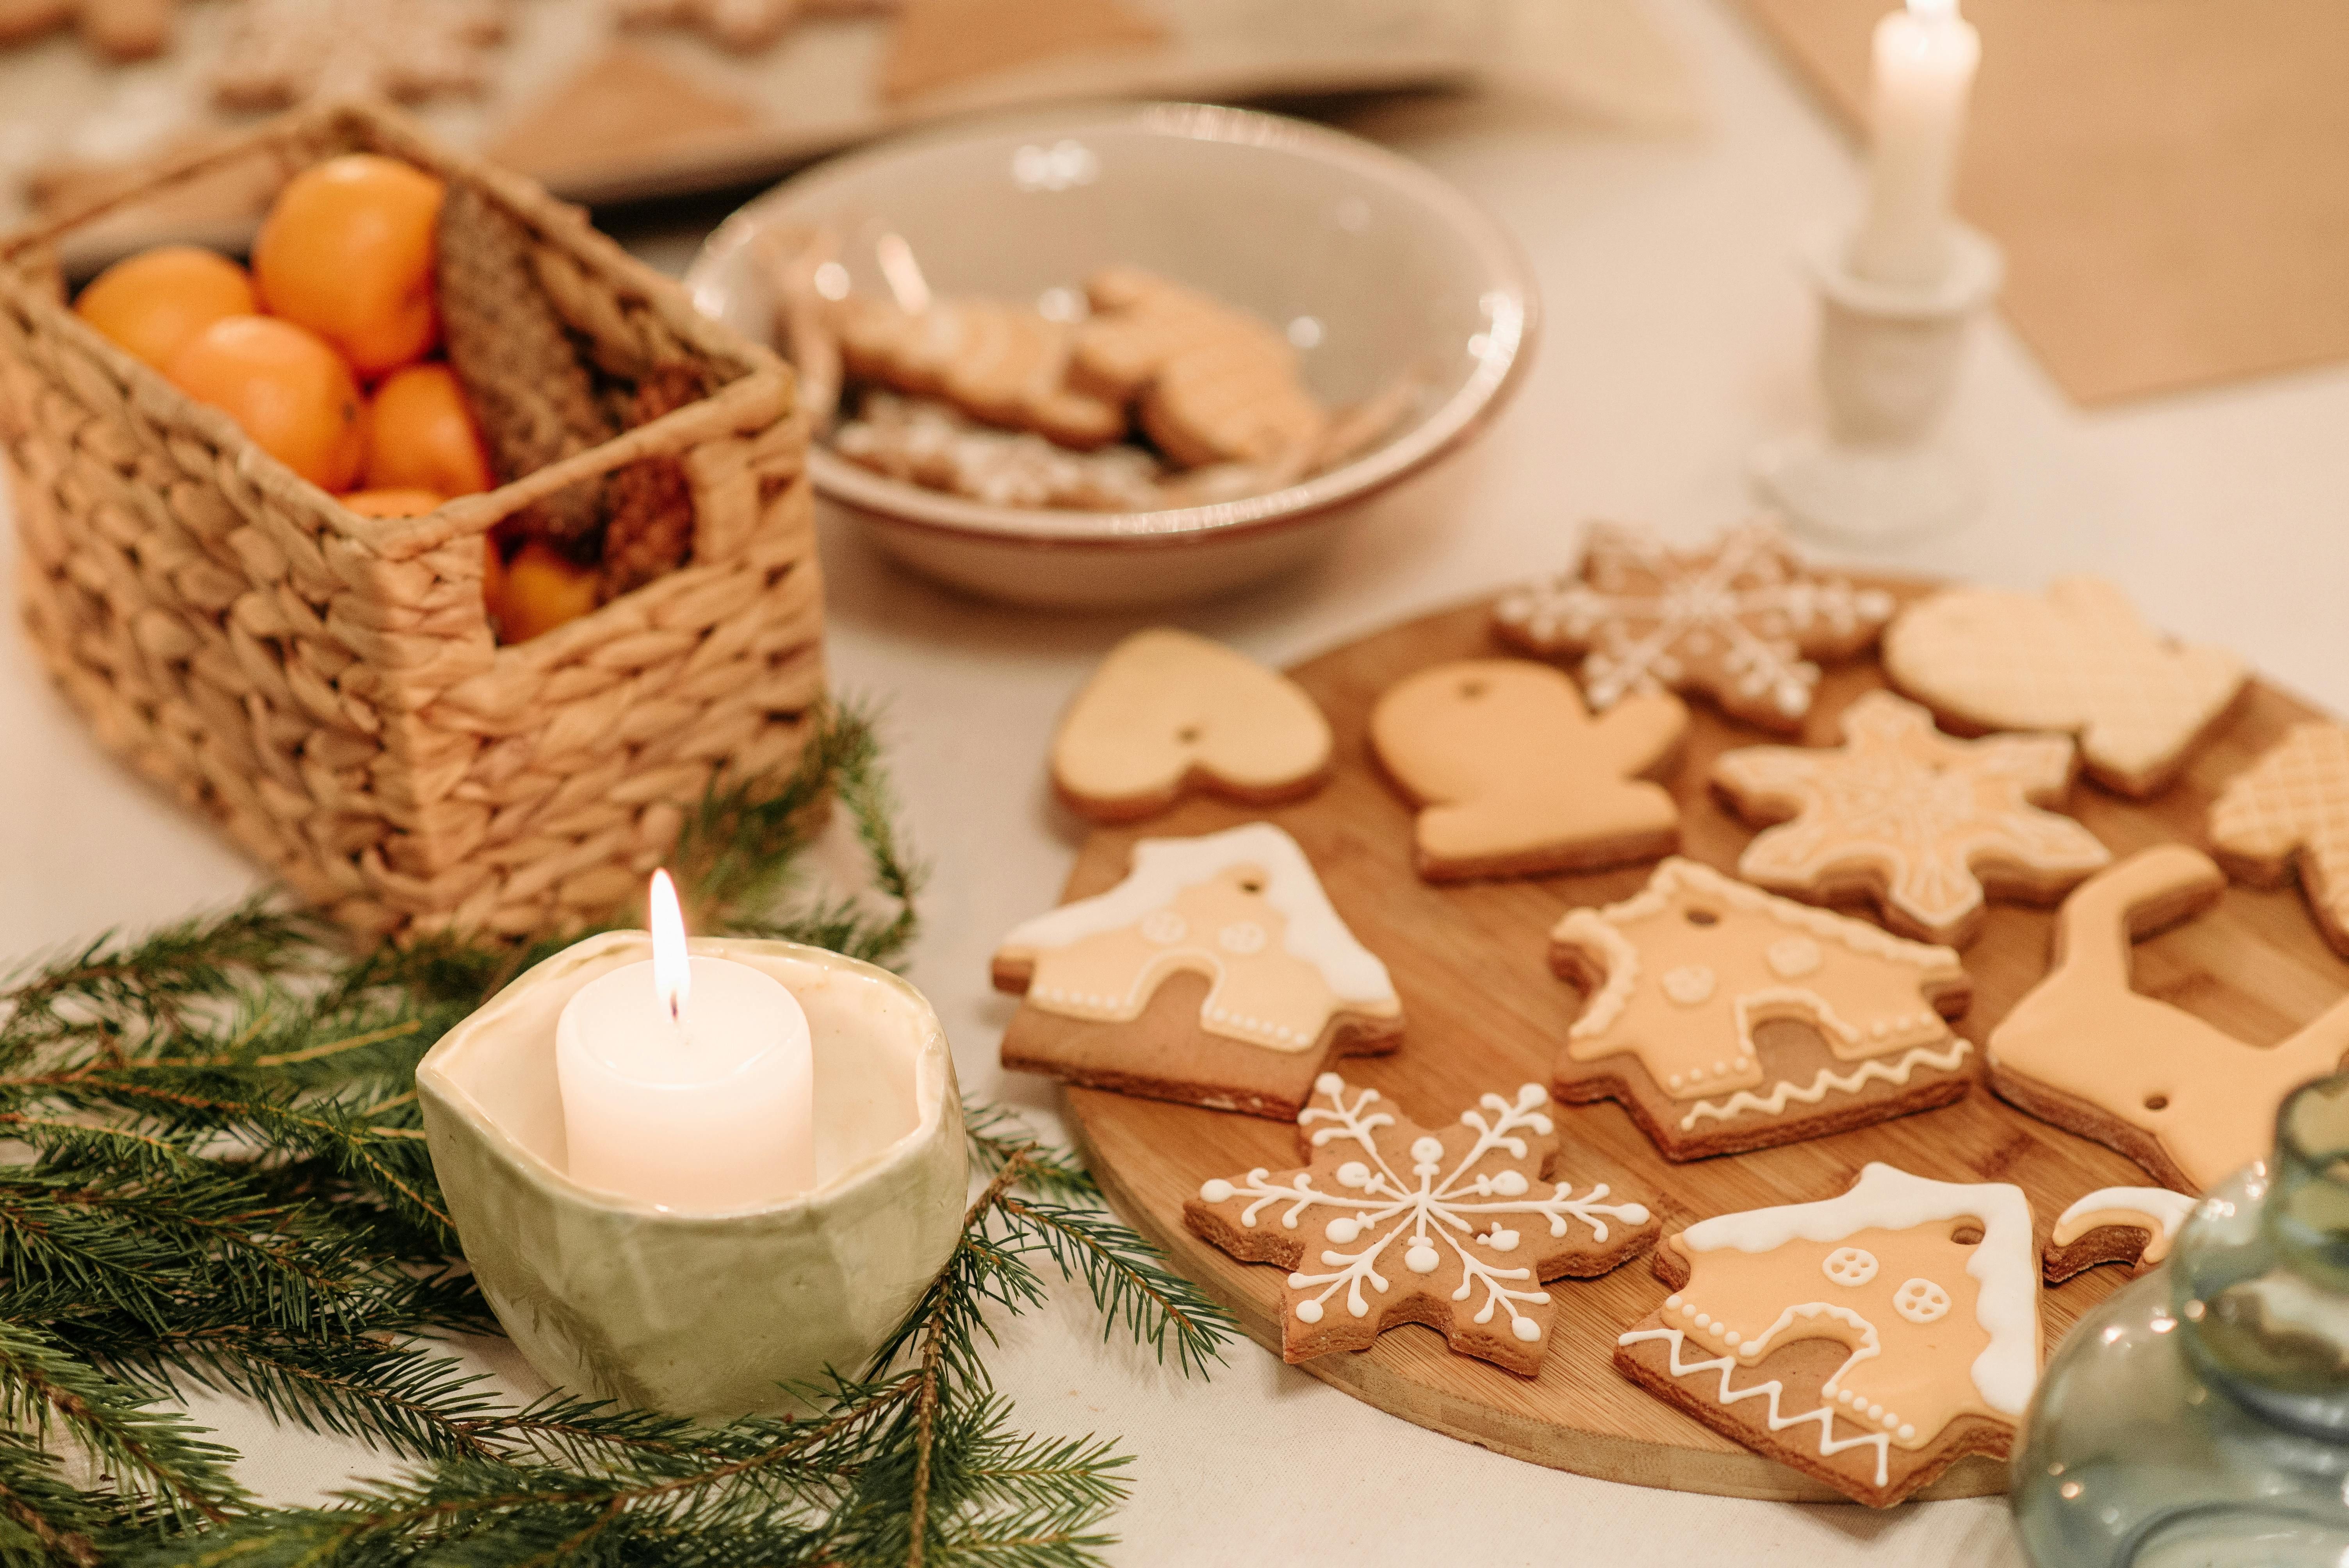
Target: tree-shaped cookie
<point>2182,1097</point>
<point>2076,659</point>
<point>1742,620</point>
<point>1867,1340</point>
<point>1168,714</point>
<point>1726,1019</point>
<point>1514,777</point>
<point>1454,1226</point>
<point>1916,820</point>
<point>1215,974</point>
<point>279,53</point>
<point>2290,810</point>
<point>2131,1225</point>
<point>118,29</point>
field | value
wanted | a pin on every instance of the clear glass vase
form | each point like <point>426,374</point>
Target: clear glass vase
<point>2200,1416</point>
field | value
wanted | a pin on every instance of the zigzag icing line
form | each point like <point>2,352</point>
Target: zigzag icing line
<point>1828,1079</point>
<point>1829,1444</point>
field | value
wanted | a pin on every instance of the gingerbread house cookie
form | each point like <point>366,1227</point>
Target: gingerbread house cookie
<point>1457,1225</point>
<point>1742,620</point>
<point>2132,1225</point>
<point>2077,659</point>
<point>1925,826</point>
<point>1514,777</point>
<point>1215,974</point>
<point>2181,1096</point>
<point>2289,813</point>
<point>1867,1340</point>
<point>1726,1019</point>
<point>1168,714</point>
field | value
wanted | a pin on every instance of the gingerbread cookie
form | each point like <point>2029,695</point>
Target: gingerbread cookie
<point>744,27</point>
<point>279,53</point>
<point>939,44</point>
<point>1867,1340</point>
<point>1215,974</point>
<point>2290,810</point>
<point>2184,1099</point>
<point>118,29</point>
<point>2076,659</point>
<point>1456,1226</point>
<point>1726,1019</point>
<point>1514,777</point>
<point>1215,384</point>
<point>1168,714</point>
<point>2132,1225</point>
<point>1912,819</point>
<point>1741,621</point>
<point>1003,364</point>
<point>931,443</point>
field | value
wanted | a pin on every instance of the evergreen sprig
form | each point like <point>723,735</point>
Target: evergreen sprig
<point>223,1183</point>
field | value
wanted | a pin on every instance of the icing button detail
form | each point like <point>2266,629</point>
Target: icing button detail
<point>1216,1191</point>
<point>1691,985</point>
<point>1850,1266</point>
<point>1920,1301</point>
<point>1792,957</point>
<point>1166,927</point>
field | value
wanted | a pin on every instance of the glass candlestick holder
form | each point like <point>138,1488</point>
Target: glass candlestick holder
<point>1888,360</point>
<point>2200,1416</point>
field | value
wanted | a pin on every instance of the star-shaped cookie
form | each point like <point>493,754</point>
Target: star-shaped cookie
<point>1742,620</point>
<point>1514,777</point>
<point>2290,810</point>
<point>1456,1227</point>
<point>1925,825</point>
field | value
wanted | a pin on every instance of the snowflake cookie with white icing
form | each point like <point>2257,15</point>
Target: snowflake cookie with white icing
<point>1456,1227</point>
<point>1726,1018</point>
<point>1742,620</point>
<point>1215,974</point>
<point>1867,1340</point>
<point>1927,826</point>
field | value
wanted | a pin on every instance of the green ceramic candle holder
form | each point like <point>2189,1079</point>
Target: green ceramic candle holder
<point>708,1314</point>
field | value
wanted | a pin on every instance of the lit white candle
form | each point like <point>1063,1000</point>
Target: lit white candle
<point>1925,60</point>
<point>688,1082</point>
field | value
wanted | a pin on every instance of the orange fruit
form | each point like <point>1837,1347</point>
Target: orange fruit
<point>347,251</point>
<point>421,435</point>
<point>543,590</point>
<point>291,393</point>
<point>392,502</point>
<point>152,302</point>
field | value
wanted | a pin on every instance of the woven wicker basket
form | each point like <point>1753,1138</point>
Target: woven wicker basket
<point>325,686</point>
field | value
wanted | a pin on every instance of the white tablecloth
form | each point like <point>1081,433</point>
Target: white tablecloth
<point>1679,334</point>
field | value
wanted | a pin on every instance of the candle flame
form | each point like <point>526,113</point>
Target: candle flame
<point>672,970</point>
<point>1933,10</point>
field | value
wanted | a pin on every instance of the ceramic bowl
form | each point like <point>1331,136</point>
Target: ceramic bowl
<point>1376,268</point>
<point>703,1315</point>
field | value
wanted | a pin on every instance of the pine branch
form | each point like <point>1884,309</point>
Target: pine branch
<point>997,1135</point>
<point>1131,1285</point>
<point>155,1457</point>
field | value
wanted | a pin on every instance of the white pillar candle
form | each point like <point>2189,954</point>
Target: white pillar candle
<point>1925,60</point>
<point>687,1082</point>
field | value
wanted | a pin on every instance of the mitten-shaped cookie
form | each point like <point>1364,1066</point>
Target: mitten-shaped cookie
<point>1516,777</point>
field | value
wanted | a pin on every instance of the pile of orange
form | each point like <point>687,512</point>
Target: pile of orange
<point>322,353</point>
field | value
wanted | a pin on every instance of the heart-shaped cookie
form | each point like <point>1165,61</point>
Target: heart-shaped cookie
<point>1168,713</point>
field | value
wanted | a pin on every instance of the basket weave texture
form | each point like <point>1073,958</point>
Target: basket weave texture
<point>326,686</point>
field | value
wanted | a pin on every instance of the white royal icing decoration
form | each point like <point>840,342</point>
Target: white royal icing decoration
<point>1691,985</point>
<point>1164,868</point>
<point>1829,1444</point>
<point>1851,1265</point>
<point>1428,1207</point>
<point>1895,1072</point>
<point>1792,957</point>
<point>1920,1301</point>
<point>1166,927</point>
<point>1885,1198</point>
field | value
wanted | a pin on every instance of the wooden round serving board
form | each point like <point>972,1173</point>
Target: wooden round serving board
<point>1484,1011</point>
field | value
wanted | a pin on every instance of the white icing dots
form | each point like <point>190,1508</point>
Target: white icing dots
<point>1420,1258</point>
<point>1353,1173</point>
<point>1329,1084</point>
<point>1510,1184</point>
<point>1241,937</point>
<point>1792,957</point>
<point>1165,927</point>
<point>1849,1265</point>
<point>1920,1301</point>
<point>1424,1149</point>
<point>1501,1239</point>
<point>1215,1192</point>
<point>1732,1337</point>
<point>1308,1312</point>
<point>1526,1329</point>
<point>1907,1434</point>
<point>1673,1302</point>
<point>1691,985</point>
<point>1342,1230</point>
